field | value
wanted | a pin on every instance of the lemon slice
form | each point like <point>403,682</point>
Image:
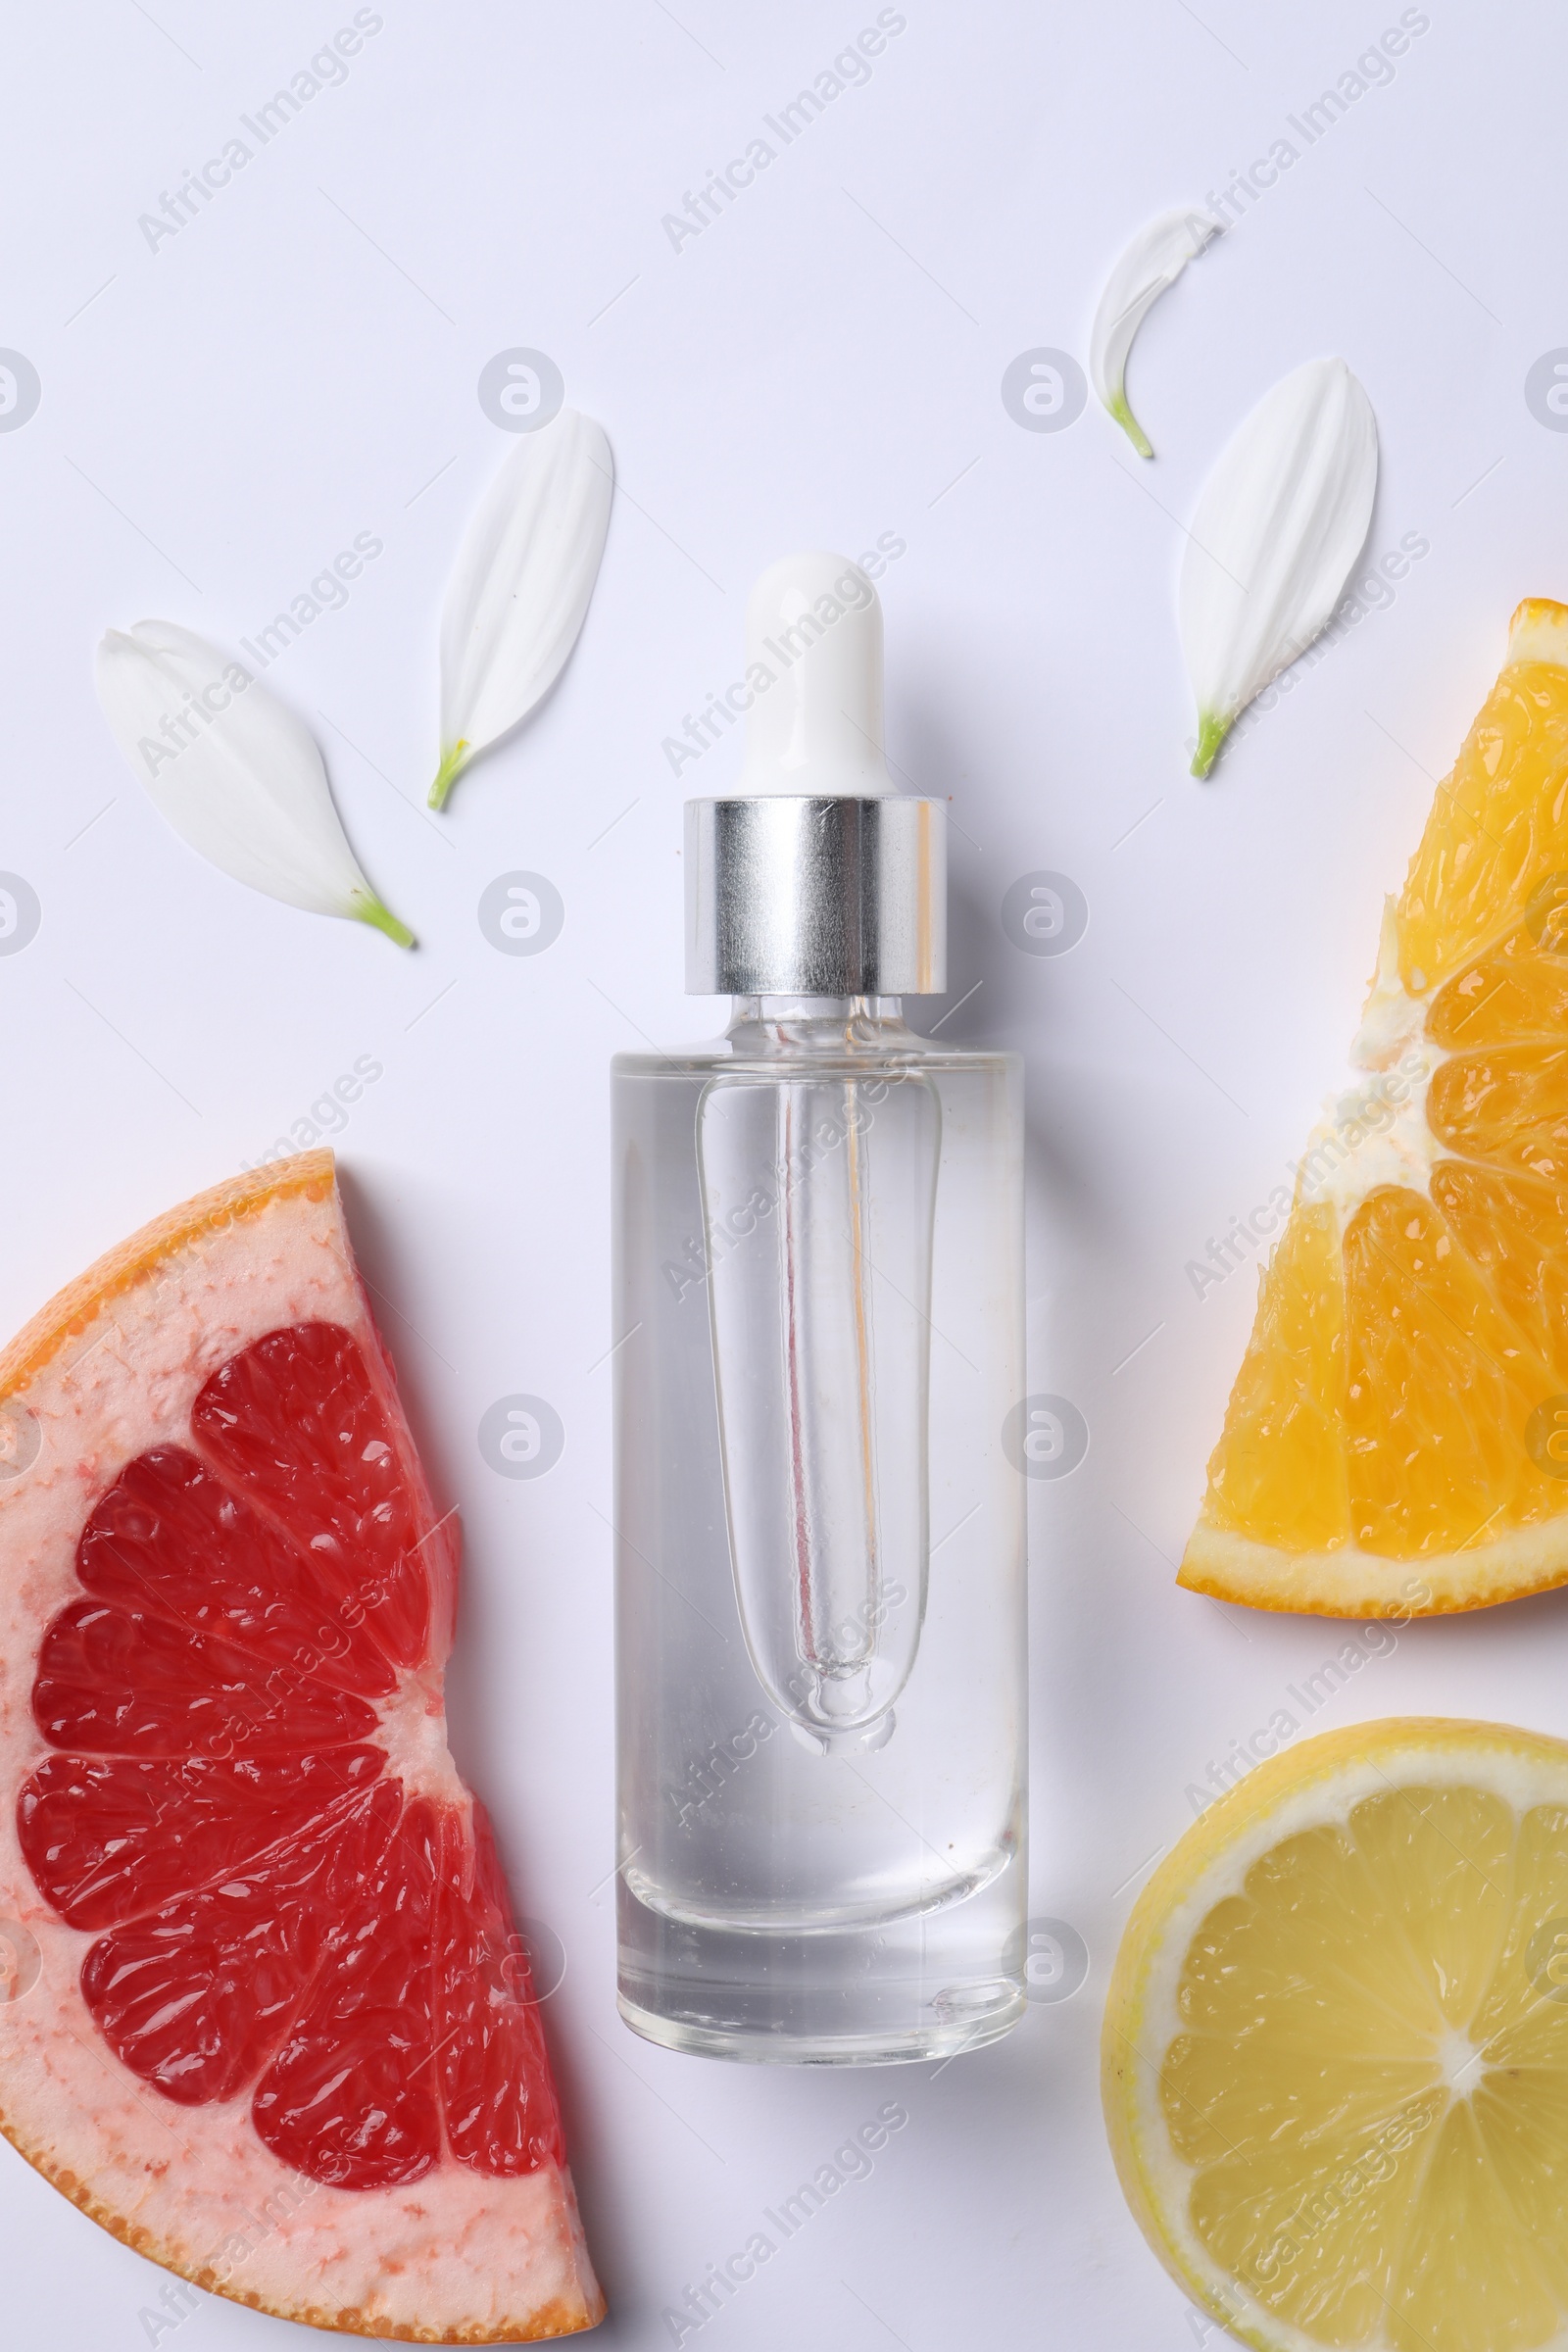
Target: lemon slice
<point>1334,2063</point>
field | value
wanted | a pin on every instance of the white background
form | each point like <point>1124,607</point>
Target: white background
<point>221,415</point>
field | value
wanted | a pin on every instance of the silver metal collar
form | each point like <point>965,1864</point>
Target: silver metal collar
<point>793,896</point>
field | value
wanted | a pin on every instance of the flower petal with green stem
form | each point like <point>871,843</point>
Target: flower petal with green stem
<point>232,769</point>
<point>1280,523</point>
<point>521,587</point>
<point>1154,261</point>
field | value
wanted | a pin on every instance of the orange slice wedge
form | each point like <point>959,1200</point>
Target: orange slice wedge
<point>1396,1439</point>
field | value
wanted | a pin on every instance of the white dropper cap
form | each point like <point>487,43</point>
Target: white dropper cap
<point>813,623</point>
<point>814,877</point>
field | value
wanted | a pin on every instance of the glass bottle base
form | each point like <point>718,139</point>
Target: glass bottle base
<point>926,1984</point>
<point>787,2046</point>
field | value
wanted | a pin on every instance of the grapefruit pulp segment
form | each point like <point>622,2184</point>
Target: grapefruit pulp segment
<point>276,1967</point>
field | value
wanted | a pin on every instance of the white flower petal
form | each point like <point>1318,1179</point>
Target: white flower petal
<point>1281,522</point>
<point>521,587</point>
<point>233,772</point>
<point>1154,261</point>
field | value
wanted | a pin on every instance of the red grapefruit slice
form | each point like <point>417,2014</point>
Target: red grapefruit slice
<point>268,2018</point>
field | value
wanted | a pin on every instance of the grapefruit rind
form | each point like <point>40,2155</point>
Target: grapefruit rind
<point>192,1225</point>
<point>110,1368</point>
<point>1278,1798</point>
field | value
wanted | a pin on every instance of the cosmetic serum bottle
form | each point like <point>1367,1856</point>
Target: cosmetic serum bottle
<point>819,1309</point>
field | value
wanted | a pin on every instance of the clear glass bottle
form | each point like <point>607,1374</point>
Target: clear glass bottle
<point>820,1541</point>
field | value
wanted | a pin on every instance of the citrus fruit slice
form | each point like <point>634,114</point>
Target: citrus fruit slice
<point>268,2018</point>
<point>1403,1397</point>
<point>1335,2063</point>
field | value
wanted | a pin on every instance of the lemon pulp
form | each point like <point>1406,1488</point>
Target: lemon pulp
<point>1337,2047</point>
